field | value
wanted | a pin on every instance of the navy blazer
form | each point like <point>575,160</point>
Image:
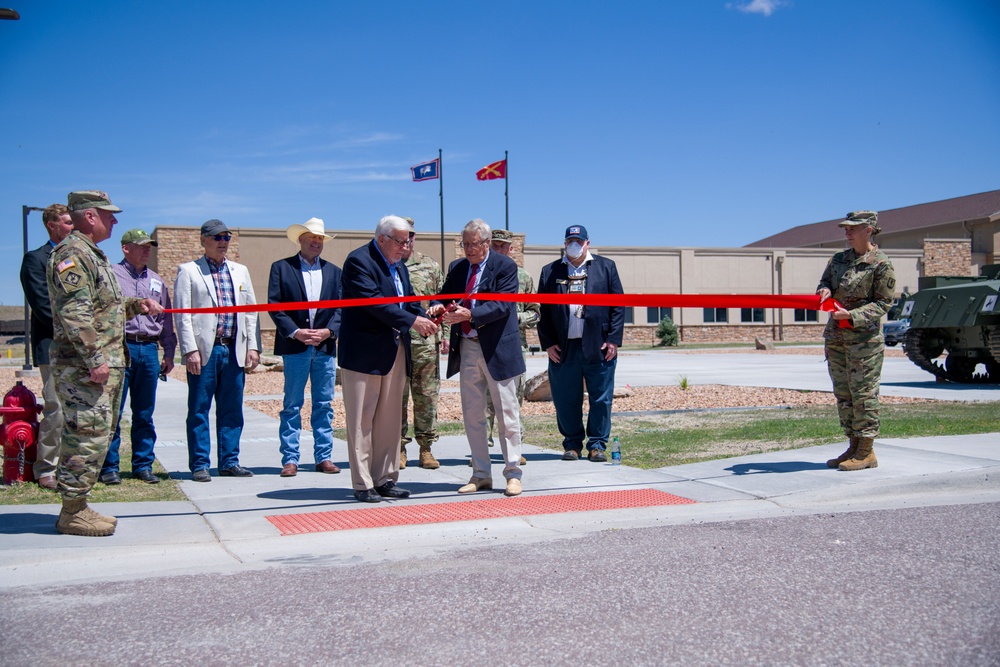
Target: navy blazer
<point>285,285</point>
<point>601,324</point>
<point>36,290</point>
<point>370,335</point>
<point>495,321</point>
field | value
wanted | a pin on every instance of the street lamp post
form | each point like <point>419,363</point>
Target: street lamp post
<point>25,210</point>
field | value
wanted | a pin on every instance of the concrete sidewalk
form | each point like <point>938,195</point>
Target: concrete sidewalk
<point>223,528</point>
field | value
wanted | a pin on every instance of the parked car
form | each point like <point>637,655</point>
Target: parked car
<point>895,331</point>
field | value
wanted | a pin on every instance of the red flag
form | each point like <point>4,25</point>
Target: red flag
<point>491,171</point>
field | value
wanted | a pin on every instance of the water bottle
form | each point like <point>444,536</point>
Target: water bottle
<point>616,452</point>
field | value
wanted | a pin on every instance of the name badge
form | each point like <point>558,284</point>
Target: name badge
<point>155,286</point>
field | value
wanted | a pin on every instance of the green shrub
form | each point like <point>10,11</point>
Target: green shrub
<point>666,331</point>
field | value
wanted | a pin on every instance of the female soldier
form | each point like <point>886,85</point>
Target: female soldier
<point>862,280</point>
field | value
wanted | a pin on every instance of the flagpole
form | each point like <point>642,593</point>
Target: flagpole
<point>441,196</point>
<point>506,200</point>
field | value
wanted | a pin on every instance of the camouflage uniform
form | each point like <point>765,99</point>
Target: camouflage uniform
<point>425,380</point>
<point>865,286</point>
<point>89,317</point>
<point>527,318</point>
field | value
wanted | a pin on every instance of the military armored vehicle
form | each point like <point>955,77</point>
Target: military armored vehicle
<point>958,317</point>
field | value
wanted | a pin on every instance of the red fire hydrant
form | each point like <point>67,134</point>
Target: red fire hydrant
<point>19,434</point>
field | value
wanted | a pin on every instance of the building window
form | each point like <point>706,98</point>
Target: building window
<point>716,315</point>
<point>751,314</point>
<point>803,315</point>
<point>655,315</point>
<point>629,317</point>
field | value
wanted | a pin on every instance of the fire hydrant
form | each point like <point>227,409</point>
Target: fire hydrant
<point>19,434</point>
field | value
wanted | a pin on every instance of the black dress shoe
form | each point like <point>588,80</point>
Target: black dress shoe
<point>235,471</point>
<point>110,478</point>
<point>367,496</point>
<point>146,476</point>
<point>201,475</point>
<point>390,490</point>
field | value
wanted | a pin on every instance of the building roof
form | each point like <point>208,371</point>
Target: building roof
<point>959,209</point>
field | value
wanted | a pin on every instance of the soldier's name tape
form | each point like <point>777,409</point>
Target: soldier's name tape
<point>803,301</point>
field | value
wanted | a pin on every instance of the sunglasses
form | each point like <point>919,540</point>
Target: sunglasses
<point>222,237</point>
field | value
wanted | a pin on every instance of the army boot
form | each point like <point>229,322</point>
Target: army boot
<point>78,519</point>
<point>402,457</point>
<point>853,447</point>
<point>427,459</point>
<point>863,458</point>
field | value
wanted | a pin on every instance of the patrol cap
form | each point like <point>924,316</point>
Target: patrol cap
<point>413,227</point>
<point>138,237</point>
<point>503,235</point>
<point>213,227</point>
<point>577,232</point>
<point>860,218</point>
<point>82,199</point>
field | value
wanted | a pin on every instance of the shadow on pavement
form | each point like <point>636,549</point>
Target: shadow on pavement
<point>784,466</point>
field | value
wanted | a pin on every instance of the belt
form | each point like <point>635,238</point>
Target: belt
<point>224,340</point>
<point>140,338</point>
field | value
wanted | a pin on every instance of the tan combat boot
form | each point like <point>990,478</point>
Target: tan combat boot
<point>863,458</point>
<point>78,519</point>
<point>402,457</point>
<point>853,447</point>
<point>427,459</point>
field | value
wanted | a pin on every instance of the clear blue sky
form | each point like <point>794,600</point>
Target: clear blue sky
<point>659,122</point>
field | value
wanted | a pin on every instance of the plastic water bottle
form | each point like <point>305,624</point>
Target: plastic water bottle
<point>616,452</point>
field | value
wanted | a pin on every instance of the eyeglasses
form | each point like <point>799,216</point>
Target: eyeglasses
<point>474,245</point>
<point>222,237</point>
<point>401,244</point>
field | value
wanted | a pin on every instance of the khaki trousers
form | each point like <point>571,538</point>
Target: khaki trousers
<point>50,428</point>
<point>373,407</point>
<point>476,384</point>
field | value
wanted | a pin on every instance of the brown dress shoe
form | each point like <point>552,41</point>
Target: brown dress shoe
<point>328,467</point>
<point>289,470</point>
<point>47,482</point>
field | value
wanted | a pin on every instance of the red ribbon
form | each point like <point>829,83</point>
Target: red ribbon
<point>804,301</point>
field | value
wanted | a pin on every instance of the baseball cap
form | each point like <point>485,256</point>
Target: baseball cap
<point>577,232</point>
<point>139,237</point>
<point>213,227</point>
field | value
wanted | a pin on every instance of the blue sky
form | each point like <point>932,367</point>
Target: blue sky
<point>660,123</point>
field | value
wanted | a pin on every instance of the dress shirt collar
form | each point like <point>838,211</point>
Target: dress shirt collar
<point>132,270</point>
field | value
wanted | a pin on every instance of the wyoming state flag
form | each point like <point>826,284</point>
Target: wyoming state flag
<point>491,171</point>
<point>427,171</point>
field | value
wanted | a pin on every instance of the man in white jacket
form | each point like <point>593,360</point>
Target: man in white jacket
<point>216,349</point>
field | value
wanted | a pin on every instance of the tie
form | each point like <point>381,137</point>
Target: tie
<point>469,286</point>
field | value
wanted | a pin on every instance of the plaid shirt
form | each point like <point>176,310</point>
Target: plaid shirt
<point>227,297</point>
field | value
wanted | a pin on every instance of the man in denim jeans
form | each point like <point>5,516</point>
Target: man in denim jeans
<point>306,339</point>
<point>144,334</point>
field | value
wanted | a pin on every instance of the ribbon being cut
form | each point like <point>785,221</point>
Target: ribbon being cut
<point>803,301</point>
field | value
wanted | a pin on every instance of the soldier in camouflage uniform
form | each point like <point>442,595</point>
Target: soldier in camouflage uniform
<point>88,355</point>
<point>425,380</point>
<point>862,280</point>
<point>527,318</point>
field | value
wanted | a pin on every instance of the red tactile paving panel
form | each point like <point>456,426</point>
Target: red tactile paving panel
<point>468,510</point>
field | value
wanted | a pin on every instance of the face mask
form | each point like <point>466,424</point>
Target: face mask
<point>574,250</point>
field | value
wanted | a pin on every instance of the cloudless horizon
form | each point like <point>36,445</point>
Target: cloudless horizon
<point>709,123</point>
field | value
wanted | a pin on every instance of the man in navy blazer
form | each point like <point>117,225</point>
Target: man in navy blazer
<point>486,348</point>
<point>58,224</point>
<point>306,339</point>
<point>582,344</point>
<point>374,358</point>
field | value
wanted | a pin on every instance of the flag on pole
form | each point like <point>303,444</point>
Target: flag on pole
<point>427,171</point>
<point>492,171</point>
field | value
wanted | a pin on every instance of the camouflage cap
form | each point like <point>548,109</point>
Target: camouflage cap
<point>138,237</point>
<point>503,235</point>
<point>410,220</point>
<point>82,199</point>
<point>860,218</point>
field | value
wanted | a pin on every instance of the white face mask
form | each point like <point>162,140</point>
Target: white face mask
<point>574,250</point>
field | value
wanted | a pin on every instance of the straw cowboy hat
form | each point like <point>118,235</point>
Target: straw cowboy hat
<point>311,226</point>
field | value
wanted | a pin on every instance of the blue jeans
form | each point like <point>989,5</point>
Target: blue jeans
<point>141,378</point>
<point>566,381</point>
<point>320,369</point>
<point>221,379</point>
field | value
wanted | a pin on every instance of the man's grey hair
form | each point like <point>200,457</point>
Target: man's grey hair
<point>391,223</point>
<point>478,226</point>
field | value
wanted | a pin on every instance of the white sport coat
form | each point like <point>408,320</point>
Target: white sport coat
<point>195,288</point>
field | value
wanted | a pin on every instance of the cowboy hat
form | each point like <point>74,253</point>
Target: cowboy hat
<point>311,226</point>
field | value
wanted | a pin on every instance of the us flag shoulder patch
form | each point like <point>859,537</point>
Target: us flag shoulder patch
<point>65,264</point>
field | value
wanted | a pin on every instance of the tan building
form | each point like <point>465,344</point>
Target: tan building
<point>952,237</point>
